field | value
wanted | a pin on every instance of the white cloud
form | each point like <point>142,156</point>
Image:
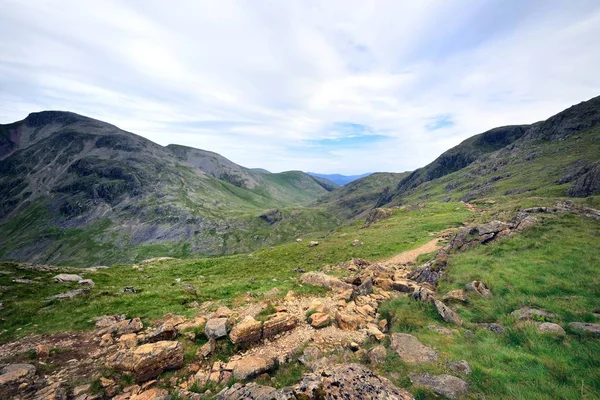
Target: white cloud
<point>258,81</point>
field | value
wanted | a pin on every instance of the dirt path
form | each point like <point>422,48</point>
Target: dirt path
<point>410,256</point>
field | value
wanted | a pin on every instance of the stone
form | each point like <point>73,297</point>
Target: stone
<point>222,312</point>
<point>42,350</point>
<point>149,360</point>
<point>252,366</point>
<point>492,227</point>
<point>250,391</point>
<point>174,319</point>
<point>313,243</point>
<point>273,292</point>
<point>247,331</point>
<point>492,327</point>
<point>207,348</point>
<point>383,325</point>
<point>440,329</point>
<point>216,328</point>
<point>69,295</point>
<point>479,288</point>
<point>447,314</point>
<point>106,340</point>
<point>62,278</point>
<point>411,350</point>
<point>324,280</point>
<point>423,294</point>
<point>133,325</point>
<point>461,367</point>
<point>586,327</point>
<point>128,341</point>
<point>277,324</point>
<point>551,328</point>
<point>404,285</point>
<point>86,282</point>
<point>373,330</point>
<point>107,320</point>
<point>443,385</point>
<point>152,394</point>
<point>110,386</point>
<point>455,295</point>
<point>365,288</point>
<point>166,331</point>
<point>55,391</point>
<point>13,376</point>
<point>319,320</point>
<point>129,289</point>
<point>532,313</point>
<point>347,322</point>
<point>377,355</point>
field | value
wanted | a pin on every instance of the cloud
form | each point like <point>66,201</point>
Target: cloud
<point>336,86</point>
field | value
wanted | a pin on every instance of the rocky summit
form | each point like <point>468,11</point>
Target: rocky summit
<point>134,271</point>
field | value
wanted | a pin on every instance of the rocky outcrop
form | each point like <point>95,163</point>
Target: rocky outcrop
<point>122,327</point>
<point>324,280</point>
<point>588,182</point>
<point>411,350</point>
<point>443,385</point>
<point>149,360</point>
<point>247,331</point>
<point>586,327</point>
<point>279,323</point>
<point>165,331</point>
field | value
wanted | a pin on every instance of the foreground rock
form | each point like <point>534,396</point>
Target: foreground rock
<point>343,381</point>
<point>252,366</point>
<point>13,376</point>
<point>447,314</point>
<point>149,360</point>
<point>411,350</point>
<point>444,385</point>
<point>216,328</point>
<point>586,327</point>
<point>248,331</point>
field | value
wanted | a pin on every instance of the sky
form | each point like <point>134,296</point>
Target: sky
<point>324,86</point>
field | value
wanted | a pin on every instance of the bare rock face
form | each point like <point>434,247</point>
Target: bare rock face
<point>149,360</point>
<point>479,288</point>
<point>247,331</point>
<point>62,278</point>
<point>216,328</point>
<point>279,323</point>
<point>324,280</point>
<point>252,366</point>
<point>586,327</point>
<point>411,350</point>
<point>443,385</point>
<point>447,314</point>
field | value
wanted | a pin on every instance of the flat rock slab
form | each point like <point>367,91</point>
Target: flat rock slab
<point>410,349</point>
<point>444,385</point>
<point>62,278</point>
<point>586,327</point>
<point>69,295</point>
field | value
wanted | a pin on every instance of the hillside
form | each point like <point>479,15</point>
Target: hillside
<point>71,186</point>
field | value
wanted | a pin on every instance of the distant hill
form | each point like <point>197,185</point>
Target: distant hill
<point>72,187</point>
<point>339,179</point>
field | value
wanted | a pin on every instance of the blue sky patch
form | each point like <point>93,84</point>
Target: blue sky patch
<point>440,122</point>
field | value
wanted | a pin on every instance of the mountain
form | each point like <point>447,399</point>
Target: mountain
<point>71,186</point>
<point>338,179</point>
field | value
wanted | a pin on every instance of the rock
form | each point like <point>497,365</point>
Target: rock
<point>106,340</point>
<point>447,314</point>
<point>107,320</point>
<point>129,289</point>
<point>440,329</point>
<point>252,366</point>
<point>313,243</point>
<point>455,295</point>
<point>273,292</point>
<point>354,346</point>
<point>404,285</point>
<point>310,355</point>
<point>81,389</point>
<point>250,391</point>
<point>552,328</point>
<point>62,278</point>
<point>492,227</point>
<point>133,325</point>
<point>207,348</point>
<point>55,391</point>
<point>248,331</point>
<point>479,288</point>
<point>324,280</point>
<point>493,327</point>
<point>377,355</point>
<point>423,294</point>
<point>166,331</point>
<point>383,325</point>
<point>216,328</point>
<point>345,381</point>
<point>586,327</point>
<point>532,313</point>
<point>365,288</point>
<point>588,183</point>
<point>319,320</point>
<point>69,295</point>
<point>444,385</point>
<point>152,394</point>
<point>13,376</point>
<point>347,322</point>
<point>222,312</point>
<point>298,240</point>
<point>461,367</point>
<point>110,386</point>
<point>149,360</point>
<point>411,350</point>
<point>86,282</point>
<point>278,323</point>
<point>373,330</point>
<point>128,341</point>
<point>42,350</point>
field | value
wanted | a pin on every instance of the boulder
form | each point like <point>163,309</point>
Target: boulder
<point>532,313</point>
<point>551,328</point>
<point>447,314</point>
<point>251,366</point>
<point>377,355</point>
<point>247,331</point>
<point>443,385</point>
<point>324,280</point>
<point>455,295</point>
<point>319,320</point>
<point>62,278</point>
<point>222,312</point>
<point>411,350</point>
<point>365,288</point>
<point>107,320</point>
<point>166,331</point>
<point>492,327</point>
<point>479,288</point>
<point>152,394</point>
<point>250,391</point>
<point>373,330</point>
<point>313,243</point>
<point>149,360</point>
<point>216,328</point>
<point>86,282</point>
<point>279,323</point>
<point>207,348</point>
<point>423,294</point>
<point>461,367</point>
<point>586,327</point>
<point>348,322</point>
<point>133,325</point>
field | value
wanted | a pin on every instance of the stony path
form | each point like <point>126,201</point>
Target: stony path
<point>410,256</point>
